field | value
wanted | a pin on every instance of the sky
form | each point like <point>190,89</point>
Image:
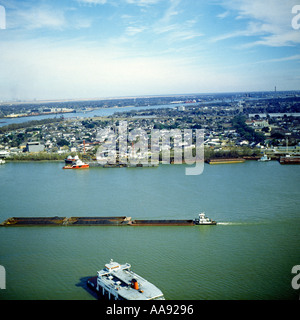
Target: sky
<point>87,49</point>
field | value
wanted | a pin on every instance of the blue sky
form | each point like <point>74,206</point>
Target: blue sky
<point>71,49</point>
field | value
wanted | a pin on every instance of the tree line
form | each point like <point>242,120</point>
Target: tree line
<point>23,125</point>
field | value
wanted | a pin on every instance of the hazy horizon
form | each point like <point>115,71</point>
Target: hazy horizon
<point>143,96</point>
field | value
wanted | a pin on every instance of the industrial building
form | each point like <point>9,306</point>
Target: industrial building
<point>34,146</point>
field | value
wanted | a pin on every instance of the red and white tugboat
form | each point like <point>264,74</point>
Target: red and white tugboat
<point>76,164</point>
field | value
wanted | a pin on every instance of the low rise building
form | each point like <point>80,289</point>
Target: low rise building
<point>34,146</point>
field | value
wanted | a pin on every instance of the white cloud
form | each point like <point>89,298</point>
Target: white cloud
<point>182,35</point>
<point>277,40</point>
<point>165,28</point>
<point>93,1</point>
<point>270,20</point>
<point>153,53</point>
<point>170,12</point>
<point>223,15</point>
<point>27,17</point>
<point>290,58</point>
<point>131,31</point>
<point>38,17</point>
<point>175,30</point>
<point>142,3</point>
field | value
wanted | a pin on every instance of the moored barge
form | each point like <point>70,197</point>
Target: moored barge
<point>289,160</point>
<point>225,161</point>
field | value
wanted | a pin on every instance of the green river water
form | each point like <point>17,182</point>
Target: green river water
<point>249,254</point>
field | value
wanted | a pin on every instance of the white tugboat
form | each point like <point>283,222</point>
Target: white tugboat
<point>264,158</point>
<point>118,282</point>
<point>202,220</point>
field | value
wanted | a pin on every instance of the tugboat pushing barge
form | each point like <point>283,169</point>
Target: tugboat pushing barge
<point>103,221</point>
<point>203,220</point>
<point>118,282</point>
<point>200,221</point>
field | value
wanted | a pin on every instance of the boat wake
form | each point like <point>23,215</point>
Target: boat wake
<point>239,223</point>
<point>230,223</point>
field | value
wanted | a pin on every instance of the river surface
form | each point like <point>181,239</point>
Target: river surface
<point>101,112</point>
<point>249,254</point>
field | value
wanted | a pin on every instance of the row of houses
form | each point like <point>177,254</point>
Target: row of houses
<point>100,136</point>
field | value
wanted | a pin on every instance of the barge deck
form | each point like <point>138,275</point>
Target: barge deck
<point>91,221</point>
<point>33,221</point>
<point>225,161</point>
<point>162,223</point>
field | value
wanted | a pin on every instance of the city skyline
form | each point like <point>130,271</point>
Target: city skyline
<point>80,49</point>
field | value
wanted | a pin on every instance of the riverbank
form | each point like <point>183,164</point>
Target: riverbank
<point>40,156</point>
<point>209,153</point>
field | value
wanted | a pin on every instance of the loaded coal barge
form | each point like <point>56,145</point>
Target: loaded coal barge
<point>102,221</point>
<point>201,220</point>
<point>33,221</point>
<point>225,161</point>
